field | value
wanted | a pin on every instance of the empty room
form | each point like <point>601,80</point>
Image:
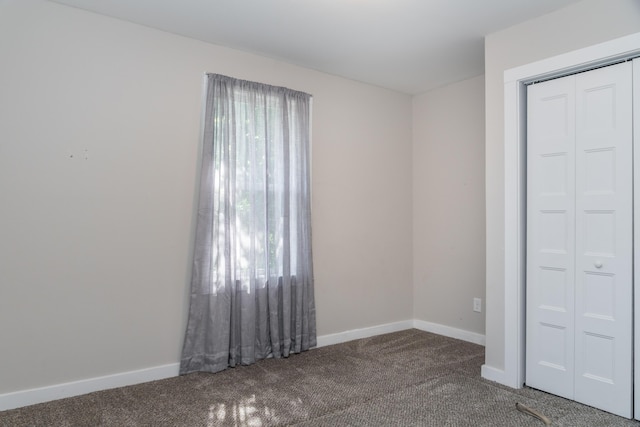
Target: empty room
<point>319,213</point>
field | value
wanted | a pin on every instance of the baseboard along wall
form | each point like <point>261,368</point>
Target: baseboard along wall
<point>60,391</point>
<point>75,388</point>
<point>450,332</point>
<point>492,374</point>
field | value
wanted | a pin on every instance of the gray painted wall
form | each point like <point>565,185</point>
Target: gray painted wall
<point>99,147</point>
<point>448,205</point>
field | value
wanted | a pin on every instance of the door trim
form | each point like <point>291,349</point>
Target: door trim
<point>515,80</point>
<point>636,233</point>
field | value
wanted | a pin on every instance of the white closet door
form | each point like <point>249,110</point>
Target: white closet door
<point>580,238</point>
<point>604,239</point>
<point>550,236</point>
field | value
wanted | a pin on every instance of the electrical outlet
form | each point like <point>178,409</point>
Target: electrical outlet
<point>477,305</point>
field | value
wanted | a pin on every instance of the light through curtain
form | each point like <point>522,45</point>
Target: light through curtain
<point>252,280</point>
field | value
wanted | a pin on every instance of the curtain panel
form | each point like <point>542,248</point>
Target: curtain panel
<point>252,281</point>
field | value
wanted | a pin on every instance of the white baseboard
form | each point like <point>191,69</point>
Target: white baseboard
<point>357,334</point>
<point>449,331</point>
<point>59,391</point>
<point>492,374</point>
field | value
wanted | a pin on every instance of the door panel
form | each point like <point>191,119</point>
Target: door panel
<point>550,236</point>
<point>580,238</point>
<point>604,239</point>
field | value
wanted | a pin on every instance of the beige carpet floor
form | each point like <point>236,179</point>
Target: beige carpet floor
<point>408,378</point>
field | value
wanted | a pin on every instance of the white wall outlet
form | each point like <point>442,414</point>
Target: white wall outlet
<point>477,305</point>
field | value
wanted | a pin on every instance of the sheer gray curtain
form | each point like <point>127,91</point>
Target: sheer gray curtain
<point>252,281</point>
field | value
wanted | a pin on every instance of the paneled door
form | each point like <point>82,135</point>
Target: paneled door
<point>580,238</point>
<point>551,236</point>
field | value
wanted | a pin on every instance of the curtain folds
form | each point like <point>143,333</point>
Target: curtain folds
<point>252,281</point>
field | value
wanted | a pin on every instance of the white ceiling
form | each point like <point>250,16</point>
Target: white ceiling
<point>407,45</point>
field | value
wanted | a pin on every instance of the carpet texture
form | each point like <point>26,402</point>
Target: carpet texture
<point>408,378</point>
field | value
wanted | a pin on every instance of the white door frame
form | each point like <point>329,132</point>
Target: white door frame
<point>515,80</point>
